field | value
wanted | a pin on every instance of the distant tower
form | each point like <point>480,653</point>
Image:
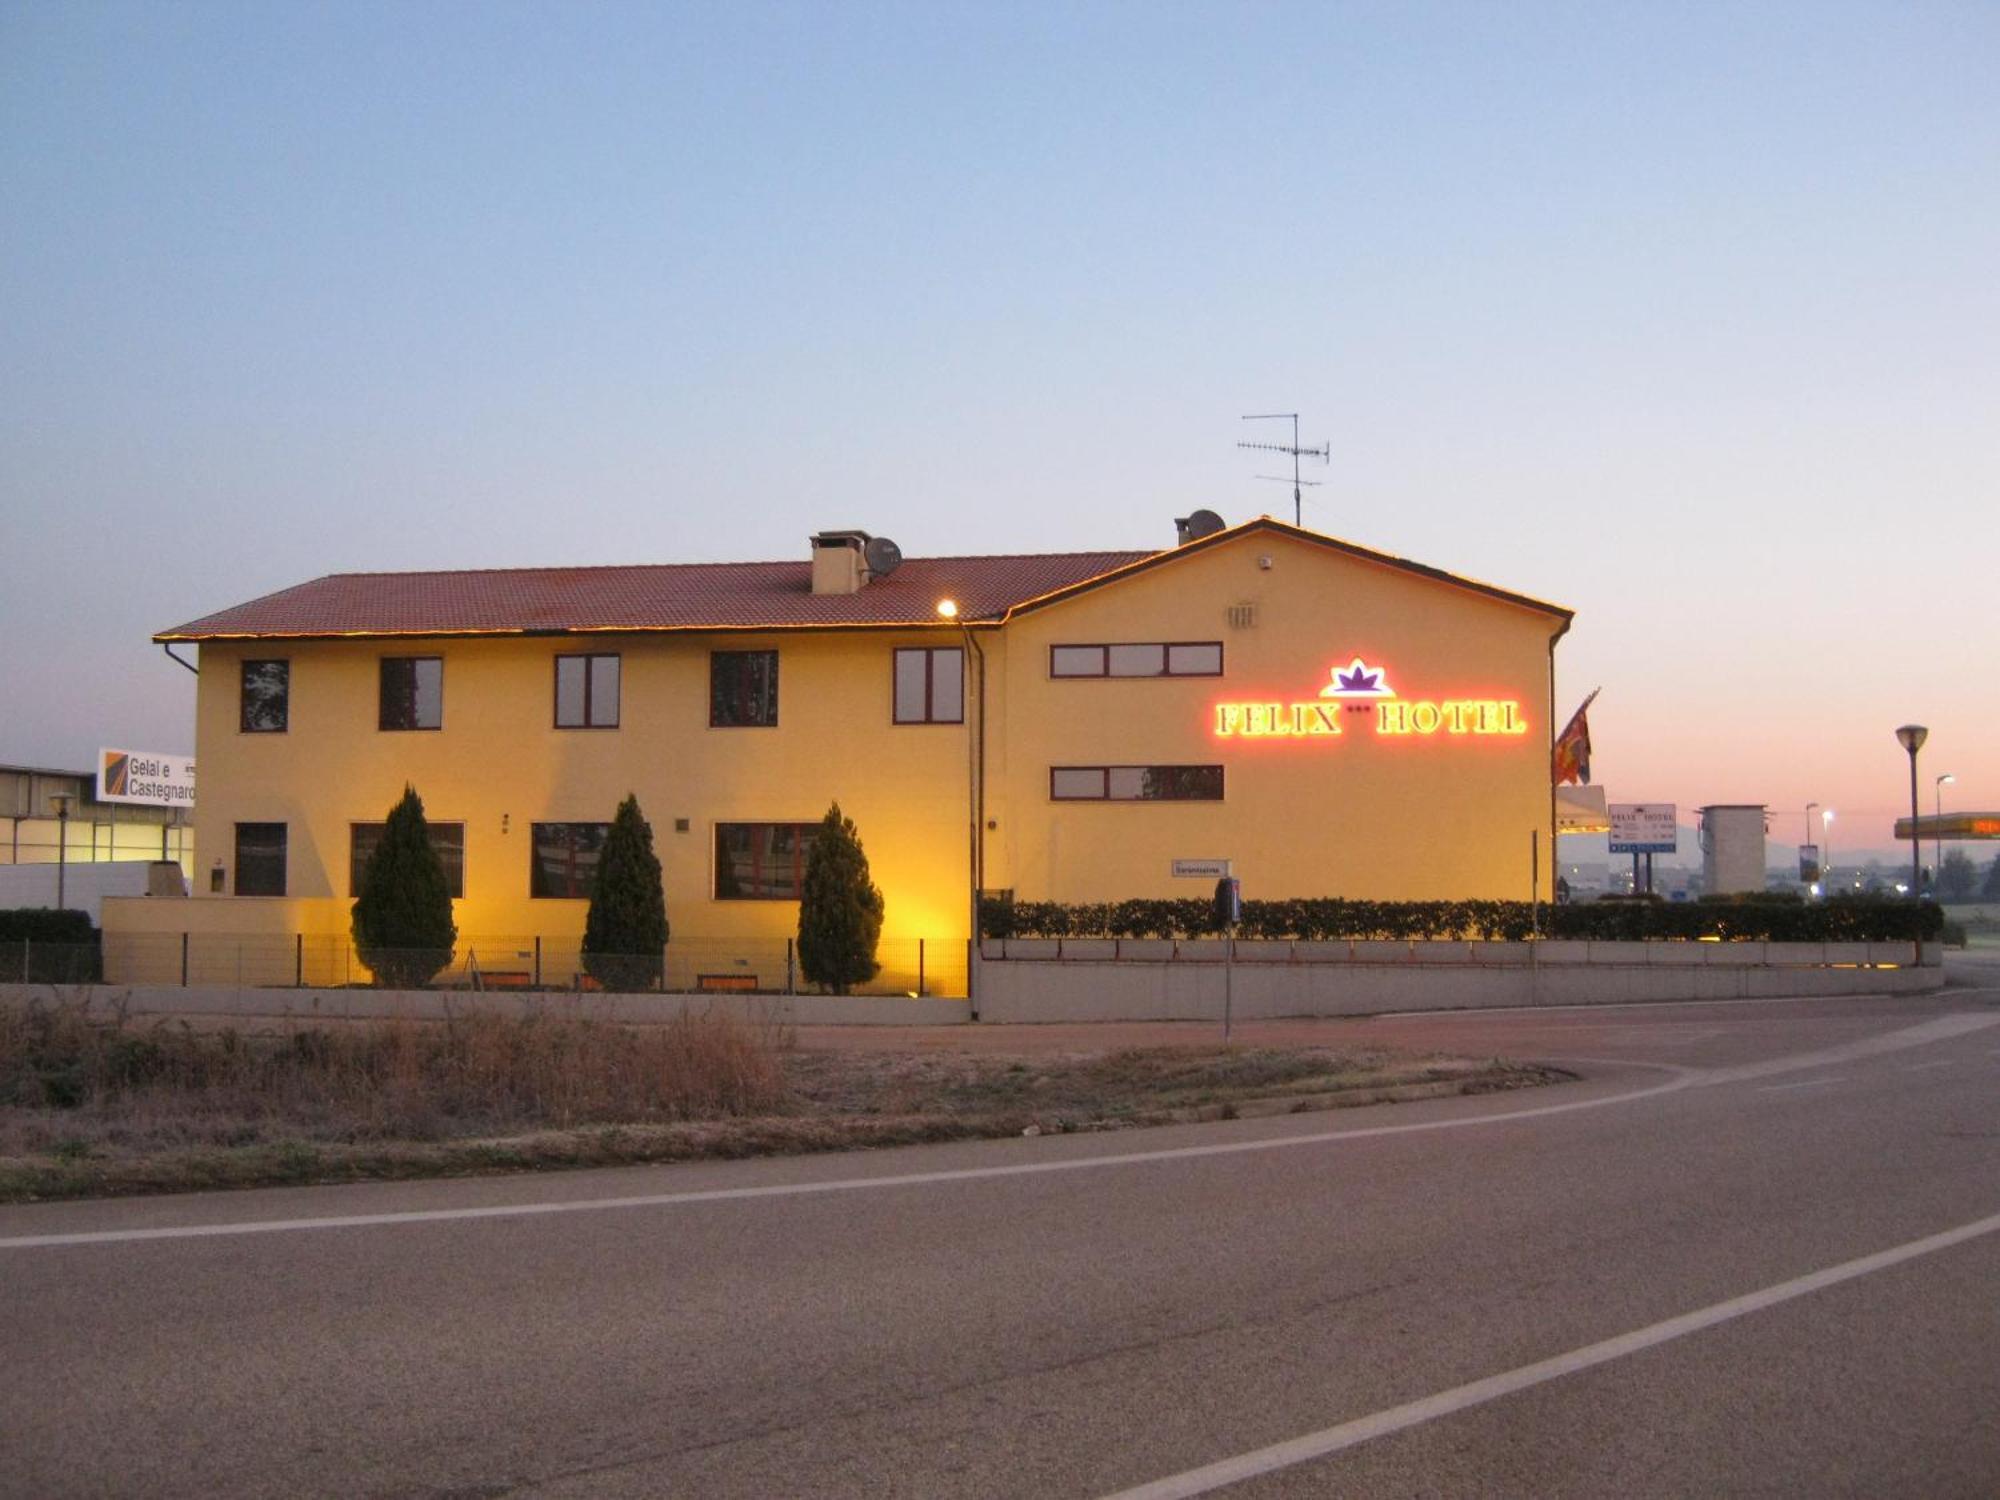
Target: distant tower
<point>1732,847</point>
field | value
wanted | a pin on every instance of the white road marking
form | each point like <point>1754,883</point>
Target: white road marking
<point>1615,1006</point>
<point>806,1189</point>
<point>1810,1083</point>
<point>1942,1029</point>
<point>1332,1440</point>
<point>1913,1036</point>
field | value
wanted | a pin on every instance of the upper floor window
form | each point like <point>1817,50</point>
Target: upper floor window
<point>1135,783</point>
<point>762,861</point>
<point>260,859</point>
<point>412,692</point>
<point>1138,659</point>
<point>930,685</point>
<point>448,839</point>
<point>565,858</point>
<point>742,689</point>
<point>587,692</point>
<point>266,700</point>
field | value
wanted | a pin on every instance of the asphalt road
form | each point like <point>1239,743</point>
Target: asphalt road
<point>1527,1294</point>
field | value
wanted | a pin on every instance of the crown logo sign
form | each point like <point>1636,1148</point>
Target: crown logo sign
<point>1358,680</point>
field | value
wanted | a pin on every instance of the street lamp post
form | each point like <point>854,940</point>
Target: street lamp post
<point>1937,832</point>
<point>1911,737</point>
<point>975,862</point>
<point>62,801</point>
<point>1808,839</point>
<point>1826,849</point>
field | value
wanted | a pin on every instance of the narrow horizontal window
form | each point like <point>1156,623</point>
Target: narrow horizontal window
<point>448,839</point>
<point>742,689</point>
<point>412,692</point>
<point>563,860</point>
<point>930,685</point>
<point>587,691</point>
<point>267,694</point>
<point>1135,783</point>
<point>1194,659</point>
<point>260,859</point>
<point>1138,659</point>
<point>1076,783</point>
<point>762,861</point>
<point>1076,661</point>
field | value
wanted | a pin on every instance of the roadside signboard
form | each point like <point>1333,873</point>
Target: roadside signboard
<point>1808,863</point>
<point>144,777</point>
<point>1200,869</point>
<point>1643,828</point>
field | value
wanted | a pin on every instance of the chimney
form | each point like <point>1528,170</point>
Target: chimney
<point>838,566</point>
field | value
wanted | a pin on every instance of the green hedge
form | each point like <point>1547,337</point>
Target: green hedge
<point>42,924</point>
<point>1332,919</point>
<point>44,946</point>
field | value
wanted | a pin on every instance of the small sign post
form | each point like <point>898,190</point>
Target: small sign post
<point>1228,912</point>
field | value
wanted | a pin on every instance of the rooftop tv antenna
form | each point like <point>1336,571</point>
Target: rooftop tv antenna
<point>1323,453</point>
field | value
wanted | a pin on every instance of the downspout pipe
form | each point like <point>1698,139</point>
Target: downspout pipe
<point>1549,761</point>
<point>977,770</point>
<point>168,647</point>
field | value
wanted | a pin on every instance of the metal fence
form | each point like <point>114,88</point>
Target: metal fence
<point>920,967</point>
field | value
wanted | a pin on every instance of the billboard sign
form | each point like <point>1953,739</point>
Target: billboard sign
<point>1643,828</point>
<point>141,776</point>
<point>1808,863</point>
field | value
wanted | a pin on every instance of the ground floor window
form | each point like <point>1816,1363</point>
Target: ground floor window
<point>761,861</point>
<point>260,859</point>
<point>564,859</point>
<point>448,839</point>
<point>1135,783</point>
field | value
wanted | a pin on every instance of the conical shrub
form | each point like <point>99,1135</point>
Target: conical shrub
<point>625,934</point>
<point>402,921</point>
<point>840,910</point>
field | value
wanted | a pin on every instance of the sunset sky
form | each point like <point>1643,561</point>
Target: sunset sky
<point>1685,316</point>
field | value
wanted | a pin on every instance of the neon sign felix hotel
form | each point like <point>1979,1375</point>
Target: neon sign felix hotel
<point>1356,688</point>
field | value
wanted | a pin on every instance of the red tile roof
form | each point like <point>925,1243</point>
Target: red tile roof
<point>664,596</point>
<point>724,596</point>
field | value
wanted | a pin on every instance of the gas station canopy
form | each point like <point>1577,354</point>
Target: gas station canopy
<point>1958,825</point>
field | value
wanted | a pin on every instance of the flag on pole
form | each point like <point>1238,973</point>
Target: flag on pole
<point>1571,760</point>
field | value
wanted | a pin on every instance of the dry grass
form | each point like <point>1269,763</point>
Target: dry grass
<point>91,1103</point>
<point>73,1079</point>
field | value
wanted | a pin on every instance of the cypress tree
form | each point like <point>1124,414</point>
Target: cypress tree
<point>840,910</point>
<point>625,935</point>
<point>402,918</point>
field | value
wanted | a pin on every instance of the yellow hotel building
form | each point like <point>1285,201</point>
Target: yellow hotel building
<point>1334,720</point>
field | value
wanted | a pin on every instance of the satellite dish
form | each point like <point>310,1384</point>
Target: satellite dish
<point>1204,523</point>
<point>882,556</point>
